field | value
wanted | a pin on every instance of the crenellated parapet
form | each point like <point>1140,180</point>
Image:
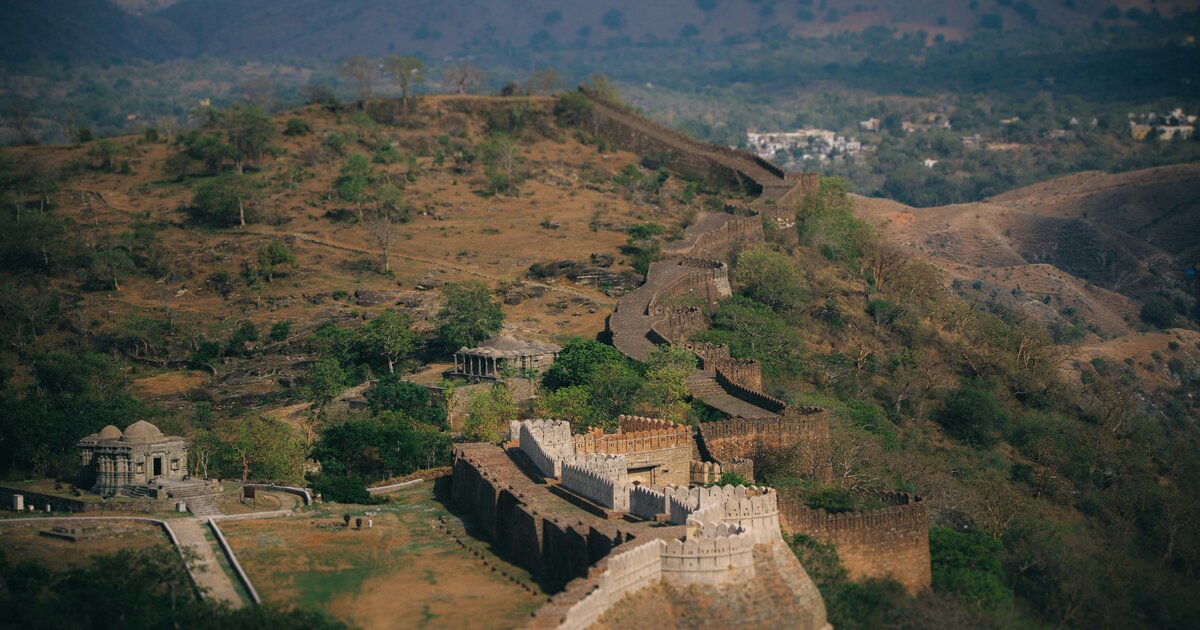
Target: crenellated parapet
<point>601,479</point>
<point>723,554</point>
<point>625,572</point>
<point>546,442</point>
<point>647,503</point>
<point>633,424</point>
<point>704,286</point>
<point>704,473</point>
<point>754,509</point>
<point>674,324</point>
<point>634,442</point>
<point>892,541</point>
<point>746,375</point>
<point>802,432</point>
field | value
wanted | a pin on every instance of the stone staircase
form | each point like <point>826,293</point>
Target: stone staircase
<point>198,498</point>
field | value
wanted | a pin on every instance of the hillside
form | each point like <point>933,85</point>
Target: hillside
<point>1092,244</point>
<point>565,209</point>
<point>280,28</point>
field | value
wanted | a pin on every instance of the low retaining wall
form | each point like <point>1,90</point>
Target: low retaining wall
<point>152,521</point>
<point>40,500</point>
<point>233,562</point>
<point>304,494</point>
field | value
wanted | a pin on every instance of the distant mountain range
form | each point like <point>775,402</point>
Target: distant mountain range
<point>266,29</point>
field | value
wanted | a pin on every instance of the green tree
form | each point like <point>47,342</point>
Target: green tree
<point>567,403</point>
<point>967,565</point>
<point>771,278</point>
<point>381,447</point>
<point>107,268</point>
<point>353,181</point>
<point>266,449</point>
<point>390,393</point>
<point>825,220</point>
<point>613,390</point>
<point>225,200</point>
<point>578,361</point>
<point>362,73</point>
<point>381,220</point>
<point>972,414</point>
<point>271,256</point>
<point>390,336</point>
<point>248,131</point>
<point>488,412</point>
<point>469,315</point>
<point>406,72</point>
<point>324,381</point>
<point>297,127</point>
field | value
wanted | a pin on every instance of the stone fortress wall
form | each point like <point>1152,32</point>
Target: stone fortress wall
<point>721,525</point>
<point>759,439</point>
<point>710,472</point>
<point>892,541</point>
<point>887,542</point>
<point>546,442</point>
<point>522,521</point>
<point>599,478</point>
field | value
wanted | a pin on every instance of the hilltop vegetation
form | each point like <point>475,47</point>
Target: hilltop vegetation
<point>237,276</point>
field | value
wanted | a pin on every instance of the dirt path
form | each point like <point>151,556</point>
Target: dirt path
<point>205,566</point>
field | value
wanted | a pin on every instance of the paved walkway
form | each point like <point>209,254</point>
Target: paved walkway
<point>704,385</point>
<point>204,563</point>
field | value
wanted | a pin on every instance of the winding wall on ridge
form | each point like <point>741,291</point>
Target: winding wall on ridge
<point>670,306</point>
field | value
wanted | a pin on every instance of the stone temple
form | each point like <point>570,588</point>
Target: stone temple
<point>490,359</point>
<point>119,461</point>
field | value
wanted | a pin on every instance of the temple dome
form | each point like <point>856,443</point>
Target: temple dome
<point>141,431</point>
<point>109,433</point>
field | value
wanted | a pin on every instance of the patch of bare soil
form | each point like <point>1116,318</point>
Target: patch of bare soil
<point>403,571</point>
<point>23,541</point>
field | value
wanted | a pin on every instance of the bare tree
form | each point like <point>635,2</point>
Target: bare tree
<point>463,77</point>
<point>381,221</point>
<point>362,73</point>
<point>544,81</point>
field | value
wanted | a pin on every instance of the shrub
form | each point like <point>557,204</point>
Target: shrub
<point>225,200</point>
<point>967,565</point>
<point>341,488</point>
<point>1158,313</point>
<point>972,414</point>
<point>297,127</point>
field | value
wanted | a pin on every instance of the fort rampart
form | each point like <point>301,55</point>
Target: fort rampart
<point>546,442</point>
<point>703,473</point>
<point>803,431</point>
<point>506,506</point>
<point>601,479</point>
<point>887,542</point>
<point>633,424</point>
<point>677,436</point>
<point>701,287</point>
